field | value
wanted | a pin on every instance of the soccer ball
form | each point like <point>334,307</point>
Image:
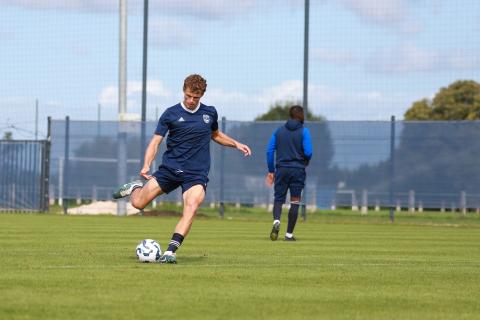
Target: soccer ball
<point>148,251</point>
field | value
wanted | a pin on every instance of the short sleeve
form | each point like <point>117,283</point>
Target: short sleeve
<point>215,120</point>
<point>163,124</point>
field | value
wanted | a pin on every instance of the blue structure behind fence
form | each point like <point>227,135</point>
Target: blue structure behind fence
<point>434,163</point>
<point>24,175</point>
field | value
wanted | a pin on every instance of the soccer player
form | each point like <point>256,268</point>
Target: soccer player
<point>186,162</point>
<point>293,147</point>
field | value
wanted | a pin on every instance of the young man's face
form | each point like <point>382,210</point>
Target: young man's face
<point>191,99</point>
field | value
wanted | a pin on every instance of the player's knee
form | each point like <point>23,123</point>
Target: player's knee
<point>295,200</point>
<point>138,204</point>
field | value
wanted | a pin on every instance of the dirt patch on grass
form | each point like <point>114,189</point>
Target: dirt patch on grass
<point>166,213</point>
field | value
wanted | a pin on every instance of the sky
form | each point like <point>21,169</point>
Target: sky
<point>368,59</point>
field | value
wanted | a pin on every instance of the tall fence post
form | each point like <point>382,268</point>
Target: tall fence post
<point>36,119</point>
<point>463,202</point>
<point>45,183</point>
<point>61,175</point>
<point>122,165</point>
<point>411,201</point>
<point>364,209</point>
<point>65,164</point>
<point>392,167</point>
<point>222,174</point>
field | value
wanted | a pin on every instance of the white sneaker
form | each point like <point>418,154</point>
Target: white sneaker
<point>168,257</point>
<point>275,229</point>
<point>127,189</point>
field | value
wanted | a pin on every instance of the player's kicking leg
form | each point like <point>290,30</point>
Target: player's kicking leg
<point>127,189</point>
<point>140,195</point>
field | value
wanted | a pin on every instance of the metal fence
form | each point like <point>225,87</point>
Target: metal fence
<point>366,60</point>
<point>358,164</point>
<point>24,172</point>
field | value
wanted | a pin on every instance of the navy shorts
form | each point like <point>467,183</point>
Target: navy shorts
<point>170,179</point>
<point>292,179</point>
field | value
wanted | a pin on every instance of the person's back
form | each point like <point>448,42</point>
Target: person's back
<point>291,144</point>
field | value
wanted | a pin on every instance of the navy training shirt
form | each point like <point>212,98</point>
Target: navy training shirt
<point>188,140</point>
<point>292,144</point>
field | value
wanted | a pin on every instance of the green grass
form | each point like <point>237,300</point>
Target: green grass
<point>344,266</point>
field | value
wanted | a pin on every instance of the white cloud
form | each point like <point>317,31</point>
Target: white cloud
<point>205,9</point>
<point>287,90</point>
<point>293,90</point>
<point>408,58</point>
<point>394,14</point>
<point>338,57</point>
<point>155,89</point>
<point>109,96</point>
<point>404,58</point>
<point>71,5</point>
<point>334,103</point>
<point>385,12</point>
<point>171,34</point>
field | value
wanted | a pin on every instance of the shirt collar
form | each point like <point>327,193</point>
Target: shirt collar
<point>188,110</point>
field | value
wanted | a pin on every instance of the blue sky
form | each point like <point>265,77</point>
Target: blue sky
<point>369,59</point>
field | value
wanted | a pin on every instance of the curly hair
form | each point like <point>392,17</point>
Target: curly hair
<point>195,83</point>
<point>296,112</point>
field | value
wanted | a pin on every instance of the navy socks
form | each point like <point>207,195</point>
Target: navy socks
<point>292,217</point>
<point>277,210</point>
<point>176,241</point>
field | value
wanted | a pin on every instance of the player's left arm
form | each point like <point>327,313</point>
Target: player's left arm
<point>221,138</point>
<point>307,145</point>
<point>272,145</point>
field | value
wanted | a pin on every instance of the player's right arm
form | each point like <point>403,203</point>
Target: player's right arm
<point>150,154</point>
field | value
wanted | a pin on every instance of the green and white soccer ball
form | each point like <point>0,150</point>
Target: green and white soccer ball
<point>148,251</point>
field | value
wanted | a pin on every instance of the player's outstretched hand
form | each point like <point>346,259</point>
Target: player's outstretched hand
<point>245,149</point>
<point>269,179</point>
<point>144,173</point>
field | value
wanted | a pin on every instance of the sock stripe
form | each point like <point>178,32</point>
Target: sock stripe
<point>174,243</point>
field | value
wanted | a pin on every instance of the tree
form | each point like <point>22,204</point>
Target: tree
<point>434,158</point>
<point>280,111</point>
<point>420,110</point>
<point>7,135</point>
<point>459,101</point>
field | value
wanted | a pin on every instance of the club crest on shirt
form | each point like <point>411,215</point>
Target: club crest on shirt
<point>206,118</point>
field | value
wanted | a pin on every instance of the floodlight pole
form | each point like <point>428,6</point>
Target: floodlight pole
<point>305,90</point>
<point>144,78</point>
<point>122,106</point>
<point>99,118</point>
<point>305,58</point>
<point>144,82</point>
<point>66,165</point>
<point>122,83</point>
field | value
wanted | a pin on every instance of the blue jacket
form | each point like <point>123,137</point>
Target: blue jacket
<point>293,146</point>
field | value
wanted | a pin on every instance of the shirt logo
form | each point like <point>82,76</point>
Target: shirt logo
<point>206,118</point>
<point>181,119</point>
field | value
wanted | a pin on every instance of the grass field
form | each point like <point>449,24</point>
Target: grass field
<point>342,267</point>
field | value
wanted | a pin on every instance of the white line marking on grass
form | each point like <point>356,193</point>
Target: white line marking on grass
<point>393,264</point>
